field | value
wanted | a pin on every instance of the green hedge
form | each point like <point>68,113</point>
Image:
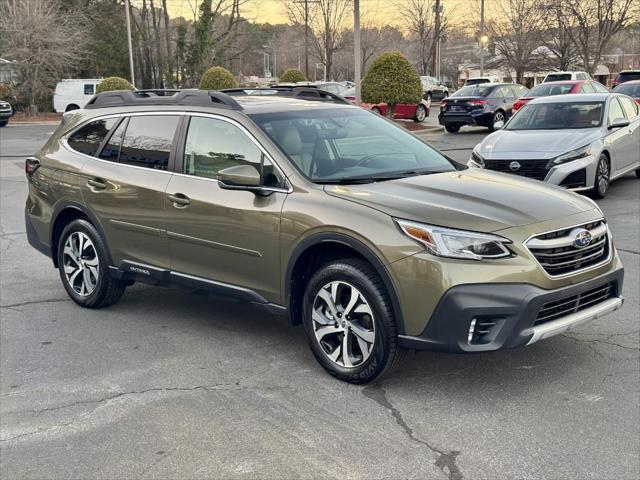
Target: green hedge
<point>292,75</point>
<point>114,83</point>
<point>391,79</point>
<point>217,78</point>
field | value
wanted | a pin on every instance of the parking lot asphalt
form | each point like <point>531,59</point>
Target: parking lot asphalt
<point>167,384</point>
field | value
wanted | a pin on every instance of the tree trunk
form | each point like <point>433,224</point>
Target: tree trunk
<point>170,65</point>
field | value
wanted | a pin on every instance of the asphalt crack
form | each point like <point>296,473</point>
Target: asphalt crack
<point>633,252</point>
<point>34,302</point>
<point>445,461</point>
<point>106,399</point>
<point>606,340</point>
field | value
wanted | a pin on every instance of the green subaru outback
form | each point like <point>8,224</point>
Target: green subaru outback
<point>319,211</point>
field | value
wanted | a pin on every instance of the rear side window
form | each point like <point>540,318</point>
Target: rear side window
<point>89,88</point>
<point>148,140</point>
<point>87,139</point>
<point>588,88</point>
<point>599,88</point>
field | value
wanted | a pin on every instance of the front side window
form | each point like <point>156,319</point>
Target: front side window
<point>629,106</point>
<point>615,111</point>
<point>557,116</point>
<point>588,88</point>
<point>88,138</point>
<point>147,141</point>
<point>546,89</point>
<point>349,145</point>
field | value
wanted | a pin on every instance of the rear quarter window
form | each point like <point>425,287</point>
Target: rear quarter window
<point>87,139</point>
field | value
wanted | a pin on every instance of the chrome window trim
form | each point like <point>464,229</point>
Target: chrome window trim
<point>64,141</point>
<point>579,271</point>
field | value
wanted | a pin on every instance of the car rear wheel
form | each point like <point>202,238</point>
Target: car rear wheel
<point>4,123</point>
<point>376,110</point>
<point>421,113</point>
<point>452,128</point>
<point>638,173</point>
<point>498,116</point>
<point>349,321</point>
<point>84,267</point>
<point>603,178</point>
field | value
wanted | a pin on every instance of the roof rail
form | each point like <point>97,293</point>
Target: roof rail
<point>192,97</point>
<point>311,93</point>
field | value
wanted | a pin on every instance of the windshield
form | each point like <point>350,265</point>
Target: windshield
<point>545,90</point>
<point>557,116</point>
<point>476,81</point>
<point>473,91</point>
<point>349,145</point>
<point>631,89</point>
<point>554,77</point>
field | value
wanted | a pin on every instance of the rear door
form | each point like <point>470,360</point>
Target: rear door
<point>631,155</point>
<point>228,236</point>
<point>125,188</point>
<point>618,140</point>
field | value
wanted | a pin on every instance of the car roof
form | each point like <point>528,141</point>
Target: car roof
<point>575,97</point>
<point>564,82</point>
<point>566,71</point>
<point>272,104</point>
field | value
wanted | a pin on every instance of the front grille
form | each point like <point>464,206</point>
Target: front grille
<point>528,168</point>
<point>558,255</point>
<point>559,308</point>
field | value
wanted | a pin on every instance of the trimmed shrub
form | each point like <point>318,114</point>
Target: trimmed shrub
<point>217,78</point>
<point>391,79</point>
<point>292,75</point>
<point>114,83</point>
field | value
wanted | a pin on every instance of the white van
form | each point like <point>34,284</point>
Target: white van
<point>564,76</point>
<point>74,93</point>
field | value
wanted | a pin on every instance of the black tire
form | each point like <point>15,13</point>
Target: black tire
<point>452,128</point>
<point>429,98</point>
<point>421,113</point>
<point>72,107</point>
<point>4,123</point>
<point>498,115</point>
<point>602,178</point>
<point>376,110</point>
<point>638,172</point>
<point>107,290</point>
<point>384,352</point>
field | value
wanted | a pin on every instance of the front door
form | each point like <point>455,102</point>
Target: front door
<point>618,140</point>
<point>228,236</point>
<point>126,189</point>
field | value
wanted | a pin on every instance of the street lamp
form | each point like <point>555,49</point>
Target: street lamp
<point>484,40</point>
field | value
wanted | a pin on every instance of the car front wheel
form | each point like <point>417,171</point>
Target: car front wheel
<point>603,178</point>
<point>421,113</point>
<point>498,116</point>
<point>84,267</point>
<point>3,123</point>
<point>349,321</point>
<point>452,128</point>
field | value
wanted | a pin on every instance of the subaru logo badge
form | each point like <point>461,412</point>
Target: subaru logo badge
<point>514,166</point>
<point>581,237</point>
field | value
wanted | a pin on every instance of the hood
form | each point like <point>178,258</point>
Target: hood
<point>471,199</point>
<point>546,143</point>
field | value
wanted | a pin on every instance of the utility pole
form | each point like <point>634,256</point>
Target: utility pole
<point>437,8</point>
<point>306,39</point>
<point>133,75</point>
<point>482,38</point>
<point>356,48</point>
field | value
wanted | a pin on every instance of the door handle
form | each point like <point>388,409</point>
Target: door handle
<point>179,200</point>
<point>97,183</point>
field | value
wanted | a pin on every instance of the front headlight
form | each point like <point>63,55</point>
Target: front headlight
<point>476,160</point>
<point>446,242</point>
<point>572,155</point>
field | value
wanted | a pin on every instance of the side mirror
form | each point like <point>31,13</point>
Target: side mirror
<point>498,125</point>
<point>619,123</point>
<point>239,177</point>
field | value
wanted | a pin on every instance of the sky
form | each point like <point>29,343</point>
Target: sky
<point>274,11</point>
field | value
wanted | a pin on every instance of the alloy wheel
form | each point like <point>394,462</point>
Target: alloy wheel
<point>498,117</point>
<point>603,177</point>
<point>343,324</point>
<point>80,260</point>
<point>421,113</point>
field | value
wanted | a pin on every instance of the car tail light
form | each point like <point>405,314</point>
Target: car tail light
<point>476,103</point>
<point>443,104</point>
<point>31,165</point>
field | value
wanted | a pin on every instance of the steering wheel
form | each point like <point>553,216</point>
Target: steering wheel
<point>365,160</point>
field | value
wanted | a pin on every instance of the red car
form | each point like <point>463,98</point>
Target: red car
<point>631,88</point>
<point>560,88</point>
<point>417,112</point>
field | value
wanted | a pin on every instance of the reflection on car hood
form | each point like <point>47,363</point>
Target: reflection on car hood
<point>517,144</point>
<point>471,199</point>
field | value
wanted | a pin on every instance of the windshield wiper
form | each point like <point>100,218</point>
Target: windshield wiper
<point>379,178</point>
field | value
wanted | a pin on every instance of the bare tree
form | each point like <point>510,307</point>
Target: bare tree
<point>46,43</point>
<point>597,21</point>
<point>515,29</point>
<point>561,51</point>
<point>419,19</point>
<point>327,19</point>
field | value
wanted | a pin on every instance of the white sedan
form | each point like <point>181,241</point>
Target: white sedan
<point>581,142</point>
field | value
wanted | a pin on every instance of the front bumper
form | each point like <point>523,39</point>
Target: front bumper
<point>5,115</point>
<point>513,308</point>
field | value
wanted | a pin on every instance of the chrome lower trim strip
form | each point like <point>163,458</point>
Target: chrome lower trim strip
<point>558,326</point>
